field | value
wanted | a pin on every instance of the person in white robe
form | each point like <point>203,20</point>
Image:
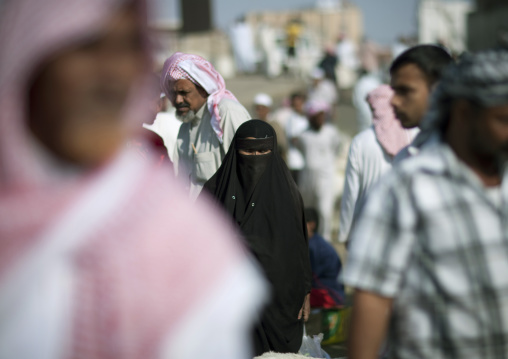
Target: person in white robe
<point>322,89</point>
<point>242,43</point>
<point>370,156</point>
<point>319,144</point>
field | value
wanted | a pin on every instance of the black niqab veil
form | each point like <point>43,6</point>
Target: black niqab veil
<point>260,194</point>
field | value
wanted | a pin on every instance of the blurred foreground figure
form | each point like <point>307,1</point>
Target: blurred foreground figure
<point>210,115</point>
<point>429,253</point>
<point>100,256</point>
<point>371,155</point>
<point>256,189</point>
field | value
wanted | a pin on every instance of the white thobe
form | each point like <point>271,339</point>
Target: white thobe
<point>242,41</point>
<point>195,165</point>
<point>166,125</point>
<point>317,179</point>
<point>367,162</point>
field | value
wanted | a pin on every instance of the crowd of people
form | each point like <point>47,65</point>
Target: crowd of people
<point>220,249</point>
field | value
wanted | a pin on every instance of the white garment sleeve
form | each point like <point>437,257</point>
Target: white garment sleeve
<point>350,194</point>
<point>233,114</point>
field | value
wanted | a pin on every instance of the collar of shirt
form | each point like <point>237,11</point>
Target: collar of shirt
<point>199,115</point>
<point>449,164</point>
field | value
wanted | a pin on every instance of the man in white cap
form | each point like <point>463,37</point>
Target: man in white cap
<point>321,88</point>
<point>210,114</point>
<point>262,108</point>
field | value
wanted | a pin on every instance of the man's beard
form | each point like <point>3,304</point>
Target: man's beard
<point>188,117</point>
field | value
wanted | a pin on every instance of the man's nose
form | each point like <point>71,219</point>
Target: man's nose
<point>178,99</point>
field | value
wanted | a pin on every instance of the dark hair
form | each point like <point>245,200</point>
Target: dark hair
<point>296,94</point>
<point>431,59</point>
<point>311,215</point>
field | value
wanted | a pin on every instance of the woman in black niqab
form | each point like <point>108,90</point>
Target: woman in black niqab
<point>255,187</point>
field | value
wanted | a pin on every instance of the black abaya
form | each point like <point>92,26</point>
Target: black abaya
<point>260,194</point>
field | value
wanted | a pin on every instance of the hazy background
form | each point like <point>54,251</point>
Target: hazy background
<point>384,20</point>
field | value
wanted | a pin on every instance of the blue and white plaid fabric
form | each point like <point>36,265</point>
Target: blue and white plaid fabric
<point>434,239</point>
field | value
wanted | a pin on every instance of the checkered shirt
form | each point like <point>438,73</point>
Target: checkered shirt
<point>431,238</point>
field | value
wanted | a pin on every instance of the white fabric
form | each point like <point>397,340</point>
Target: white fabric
<point>36,296</point>
<point>324,91</point>
<point>346,54</point>
<point>201,77</point>
<point>317,179</point>
<point>263,99</point>
<point>166,125</point>
<point>271,55</point>
<point>195,167</point>
<point>365,84</point>
<point>296,124</point>
<point>238,304</point>
<point>242,41</point>
<point>367,162</point>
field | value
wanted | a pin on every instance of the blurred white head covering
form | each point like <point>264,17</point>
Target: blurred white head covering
<point>263,99</point>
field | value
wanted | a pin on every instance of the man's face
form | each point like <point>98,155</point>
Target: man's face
<point>410,100</point>
<point>187,97</point>
<point>297,104</point>
<point>311,228</point>
<point>262,112</point>
<point>488,133</point>
<point>77,99</point>
<point>317,121</point>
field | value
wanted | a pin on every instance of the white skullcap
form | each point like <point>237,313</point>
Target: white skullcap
<point>263,99</point>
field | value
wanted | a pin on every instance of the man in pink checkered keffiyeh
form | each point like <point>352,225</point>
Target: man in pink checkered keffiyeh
<point>100,255</point>
<point>210,114</point>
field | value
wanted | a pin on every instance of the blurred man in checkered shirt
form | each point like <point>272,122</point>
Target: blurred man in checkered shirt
<point>429,253</point>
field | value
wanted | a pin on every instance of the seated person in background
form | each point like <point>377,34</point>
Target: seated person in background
<point>326,291</point>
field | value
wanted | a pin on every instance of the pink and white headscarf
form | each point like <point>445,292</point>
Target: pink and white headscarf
<point>314,107</point>
<point>389,132</point>
<point>200,72</point>
<point>131,283</point>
